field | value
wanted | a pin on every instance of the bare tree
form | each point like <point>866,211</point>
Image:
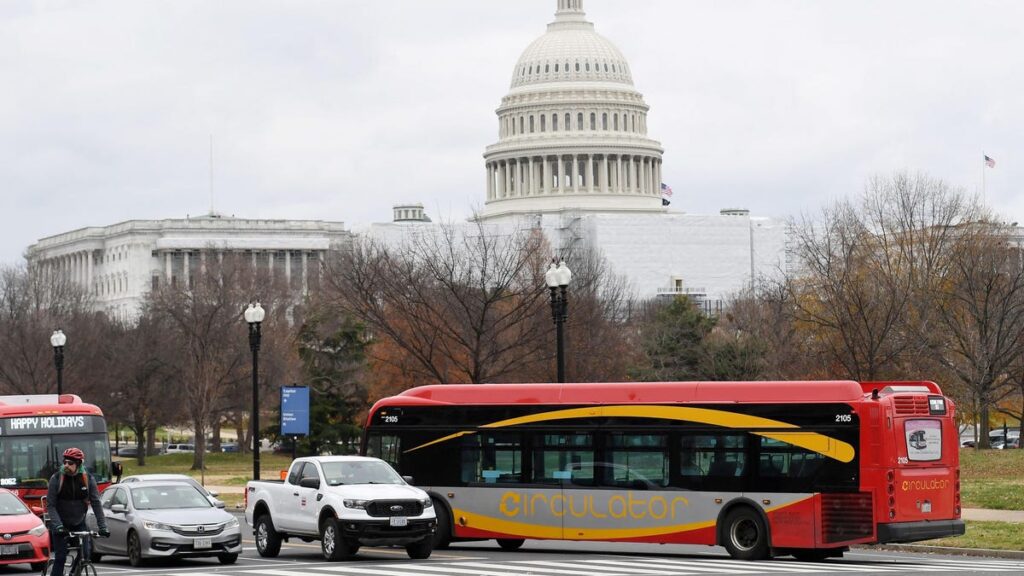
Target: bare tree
<point>460,303</point>
<point>979,334</point>
<point>34,302</point>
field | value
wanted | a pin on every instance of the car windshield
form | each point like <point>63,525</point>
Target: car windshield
<point>10,505</point>
<point>168,497</point>
<point>360,472</point>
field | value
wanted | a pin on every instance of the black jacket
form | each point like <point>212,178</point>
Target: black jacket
<point>67,504</point>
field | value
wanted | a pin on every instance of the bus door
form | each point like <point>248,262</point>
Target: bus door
<point>566,461</point>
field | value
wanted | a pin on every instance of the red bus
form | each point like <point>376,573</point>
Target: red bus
<point>762,468</point>
<point>34,432</point>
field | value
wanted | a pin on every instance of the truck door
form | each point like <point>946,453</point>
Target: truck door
<point>306,505</point>
<point>286,513</point>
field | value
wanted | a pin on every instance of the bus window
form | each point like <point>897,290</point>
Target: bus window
<point>712,461</point>
<point>387,447</point>
<point>634,457</point>
<point>559,457</point>
<point>492,458</point>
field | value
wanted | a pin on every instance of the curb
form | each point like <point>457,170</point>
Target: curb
<point>918,548</point>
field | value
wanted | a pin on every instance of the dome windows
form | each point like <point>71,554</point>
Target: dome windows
<point>577,66</point>
<point>568,122</point>
<point>579,121</point>
<point>554,123</point>
<point>588,66</point>
<point>547,68</point>
<point>556,66</point>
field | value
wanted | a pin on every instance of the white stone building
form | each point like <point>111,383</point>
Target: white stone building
<point>574,157</point>
<point>120,263</point>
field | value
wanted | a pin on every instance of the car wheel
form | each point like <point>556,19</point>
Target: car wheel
<point>333,546</point>
<point>443,531</point>
<point>510,543</point>
<point>134,550</point>
<point>227,558</point>
<point>420,550</point>
<point>268,541</point>
<point>745,535</point>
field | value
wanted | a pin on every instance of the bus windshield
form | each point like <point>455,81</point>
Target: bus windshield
<point>27,460</point>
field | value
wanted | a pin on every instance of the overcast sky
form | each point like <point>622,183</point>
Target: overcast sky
<point>338,109</point>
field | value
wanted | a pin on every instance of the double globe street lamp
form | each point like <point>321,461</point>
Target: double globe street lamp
<point>557,278</point>
<point>57,340</point>
<point>254,316</point>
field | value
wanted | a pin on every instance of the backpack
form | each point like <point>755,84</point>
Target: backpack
<point>85,482</point>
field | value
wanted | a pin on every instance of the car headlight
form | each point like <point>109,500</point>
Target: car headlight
<point>355,504</point>
<point>153,525</point>
<point>38,530</point>
<point>233,523</point>
<point>427,503</point>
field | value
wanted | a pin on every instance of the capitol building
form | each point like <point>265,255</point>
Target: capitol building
<point>574,157</point>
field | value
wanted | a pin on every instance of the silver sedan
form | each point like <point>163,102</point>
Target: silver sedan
<point>164,519</point>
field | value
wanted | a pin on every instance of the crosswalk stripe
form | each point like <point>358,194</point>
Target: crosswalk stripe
<point>511,568</point>
<point>590,569</point>
<point>714,567</point>
<point>695,566</point>
<point>353,569</point>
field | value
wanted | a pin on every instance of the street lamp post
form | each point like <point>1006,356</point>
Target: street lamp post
<point>557,278</point>
<point>254,316</point>
<point>57,340</point>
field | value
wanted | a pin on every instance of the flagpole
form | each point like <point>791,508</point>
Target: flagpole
<point>984,197</point>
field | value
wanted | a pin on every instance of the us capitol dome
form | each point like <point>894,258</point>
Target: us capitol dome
<point>572,130</point>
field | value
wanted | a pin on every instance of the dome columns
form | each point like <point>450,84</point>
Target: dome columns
<point>562,174</point>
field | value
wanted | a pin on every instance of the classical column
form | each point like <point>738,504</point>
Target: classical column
<point>88,272</point>
<point>590,173</point>
<point>546,175</point>
<point>168,272</point>
<point>305,276</point>
<point>619,185</point>
<point>186,274</point>
<point>506,176</point>
<point>270,264</point>
<point>532,191</point>
<point>490,191</point>
<point>288,268</point>
<point>576,173</point>
<point>603,179</point>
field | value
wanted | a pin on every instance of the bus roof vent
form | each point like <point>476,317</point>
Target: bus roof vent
<point>28,399</point>
<point>897,389</point>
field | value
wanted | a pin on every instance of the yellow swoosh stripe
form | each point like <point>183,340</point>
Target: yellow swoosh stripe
<point>490,524</point>
<point>481,522</point>
<point>812,441</point>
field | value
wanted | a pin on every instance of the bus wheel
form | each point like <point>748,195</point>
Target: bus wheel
<point>746,537</point>
<point>443,530</point>
<point>510,543</point>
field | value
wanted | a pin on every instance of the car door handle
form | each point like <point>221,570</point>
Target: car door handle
<point>295,493</point>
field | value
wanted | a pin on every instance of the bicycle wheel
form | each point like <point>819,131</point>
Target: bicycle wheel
<point>86,569</point>
<point>47,568</point>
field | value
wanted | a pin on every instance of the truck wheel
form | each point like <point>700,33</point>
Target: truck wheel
<point>268,541</point>
<point>745,536</point>
<point>510,543</point>
<point>443,530</point>
<point>332,543</point>
<point>420,550</point>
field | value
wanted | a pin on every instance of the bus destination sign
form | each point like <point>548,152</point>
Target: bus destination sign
<point>57,423</point>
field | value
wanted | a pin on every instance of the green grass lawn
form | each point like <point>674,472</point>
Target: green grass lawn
<point>992,479</point>
<point>988,535</point>
<point>217,464</point>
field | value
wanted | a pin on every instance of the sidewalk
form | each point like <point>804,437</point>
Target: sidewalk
<point>992,515</point>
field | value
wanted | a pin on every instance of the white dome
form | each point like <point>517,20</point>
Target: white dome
<point>572,130</point>
<point>569,51</point>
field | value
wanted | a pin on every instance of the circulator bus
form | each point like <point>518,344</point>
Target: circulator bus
<point>34,432</point>
<point>762,468</point>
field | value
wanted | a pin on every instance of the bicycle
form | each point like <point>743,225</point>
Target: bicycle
<point>80,564</point>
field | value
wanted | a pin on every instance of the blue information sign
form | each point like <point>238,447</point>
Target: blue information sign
<point>295,410</point>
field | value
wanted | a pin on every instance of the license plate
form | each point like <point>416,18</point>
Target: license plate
<point>926,507</point>
<point>203,543</point>
<point>399,521</point>
<point>13,550</point>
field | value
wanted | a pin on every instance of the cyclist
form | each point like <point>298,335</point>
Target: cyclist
<point>71,492</point>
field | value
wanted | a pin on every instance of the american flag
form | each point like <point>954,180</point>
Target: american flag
<point>988,162</point>
<point>666,190</point>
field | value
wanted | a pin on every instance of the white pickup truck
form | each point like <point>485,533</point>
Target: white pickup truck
<point>343,501</point>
